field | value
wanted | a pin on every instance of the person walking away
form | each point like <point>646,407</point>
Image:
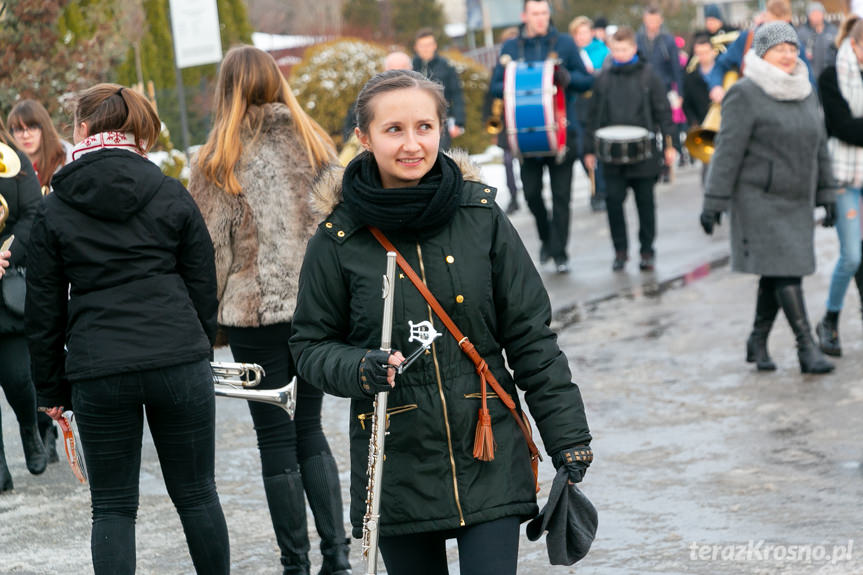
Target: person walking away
<point>818,39</point>
<point>435,67</point>
<point>538,40</point>
<point>629,93</point>
<point>260,226</point>
<point>34,133</point>
<point>841,89</point>
<point>765,174</point>
<point>446,224</point>
<point>21,196</point>
<point>121,318</point>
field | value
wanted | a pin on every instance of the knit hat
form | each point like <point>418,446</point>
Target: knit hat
<point>815,7</point>
<point>712,11</point>
<point>772,34</point>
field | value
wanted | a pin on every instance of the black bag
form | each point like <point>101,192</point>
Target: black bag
<point>13,287</point>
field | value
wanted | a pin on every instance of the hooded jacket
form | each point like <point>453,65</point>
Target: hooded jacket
<point>128,249</point>
<point>22,195</point>
<point>481,274</point>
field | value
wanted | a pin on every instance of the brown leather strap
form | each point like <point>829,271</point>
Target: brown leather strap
<point>463,342</point>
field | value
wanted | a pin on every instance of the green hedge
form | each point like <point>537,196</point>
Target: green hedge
<point>330,77</point>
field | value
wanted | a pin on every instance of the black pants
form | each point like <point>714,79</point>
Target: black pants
<point>15,378</point>
<point>616,186</point>
<point>181,411</point>
<point>772,283</point>
<point>489,548</point>
<point>283,443</point>
<point>554,232</point>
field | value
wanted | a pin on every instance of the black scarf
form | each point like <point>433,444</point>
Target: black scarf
<point>421,210</point>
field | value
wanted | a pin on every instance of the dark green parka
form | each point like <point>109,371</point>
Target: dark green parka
<point>479,271</point>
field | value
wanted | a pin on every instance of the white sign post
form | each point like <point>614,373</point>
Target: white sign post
<point>195,27</point>
<point>195,33</point>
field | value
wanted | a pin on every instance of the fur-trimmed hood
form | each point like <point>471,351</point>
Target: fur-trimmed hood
<point>327,191</point>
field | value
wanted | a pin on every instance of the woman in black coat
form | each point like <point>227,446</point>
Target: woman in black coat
<point>441,481</point>
<point>841,90</point>
<point>121,274</point>
<point>21,196</point>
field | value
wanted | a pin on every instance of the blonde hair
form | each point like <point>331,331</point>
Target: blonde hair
<point>115,108</point>
<point>250,77</point>
<point>578,22</point>
<point>781,9</point>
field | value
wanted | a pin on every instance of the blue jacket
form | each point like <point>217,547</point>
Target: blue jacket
<point>733,57</point>
<point>537,49</point>
<point>598,52</point>
<point>662,57</point>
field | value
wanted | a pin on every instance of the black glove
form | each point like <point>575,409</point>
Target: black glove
<point>709,218</point>
<point>829,215</point>
<point>576,459</point>
<point>373,370</point>
<point>561,76</point>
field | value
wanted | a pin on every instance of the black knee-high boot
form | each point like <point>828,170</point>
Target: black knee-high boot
<point>790,297</point>
<point>766,309</point>
<point>287,505</point>
<point>34,452</point>
<point>321,481</point>
<point>5,476</point>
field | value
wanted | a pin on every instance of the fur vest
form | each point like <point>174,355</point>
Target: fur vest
<point>260,235</point>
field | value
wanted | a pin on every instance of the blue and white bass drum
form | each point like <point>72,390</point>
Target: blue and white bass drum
<point>534,109</point>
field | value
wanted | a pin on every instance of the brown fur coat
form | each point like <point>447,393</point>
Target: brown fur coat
<point>260,235</point>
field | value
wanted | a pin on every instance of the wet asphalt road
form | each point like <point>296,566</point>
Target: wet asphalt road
<point>703,466</point>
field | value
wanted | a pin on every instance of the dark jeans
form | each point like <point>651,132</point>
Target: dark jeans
<point>554,232</point>
<point>489,548</point>
<point>180,407</point>
<point>15,378</point>
<point>616,186</point>
<point>283,443</point>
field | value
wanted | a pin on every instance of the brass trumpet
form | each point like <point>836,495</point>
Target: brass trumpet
<point>235,379</point>
<point>700,141</point>
<point>10,163</point>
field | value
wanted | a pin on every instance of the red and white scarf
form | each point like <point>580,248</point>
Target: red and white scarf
<point>103,140</point>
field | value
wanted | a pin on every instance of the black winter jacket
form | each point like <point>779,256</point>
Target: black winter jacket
<point>130,248</point>
<point>840,123</point>
<point>442,72</point>
<point>22,194</point>
<point>480,272</point>
<point>631,95</point>
<point>697,102</point>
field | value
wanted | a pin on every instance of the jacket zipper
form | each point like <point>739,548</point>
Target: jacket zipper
<point>442,400</point>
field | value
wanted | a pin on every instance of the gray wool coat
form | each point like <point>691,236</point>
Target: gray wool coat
<point>770,169</point>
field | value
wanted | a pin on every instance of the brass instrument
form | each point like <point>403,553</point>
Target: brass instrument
<point>235,379</point>
<point>10,163</point>
<point>494,124</point>
<point>4,212</point>
<point>720,44</point>
<point>700,140</point>
<point>378,432</point>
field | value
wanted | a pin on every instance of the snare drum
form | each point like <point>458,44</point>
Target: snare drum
<point>623,144</point>
<point>534,109</point>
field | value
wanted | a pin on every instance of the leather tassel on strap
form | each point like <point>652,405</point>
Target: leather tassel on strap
<point>483,443</point>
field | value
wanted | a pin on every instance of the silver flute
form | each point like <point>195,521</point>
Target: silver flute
<point>376,441</point>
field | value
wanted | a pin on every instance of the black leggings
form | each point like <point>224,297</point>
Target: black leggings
<point>489,548</point>
<point>773,283</point>
<point>283,443</point>
<point>181,414</point>
<point>15,378</point>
